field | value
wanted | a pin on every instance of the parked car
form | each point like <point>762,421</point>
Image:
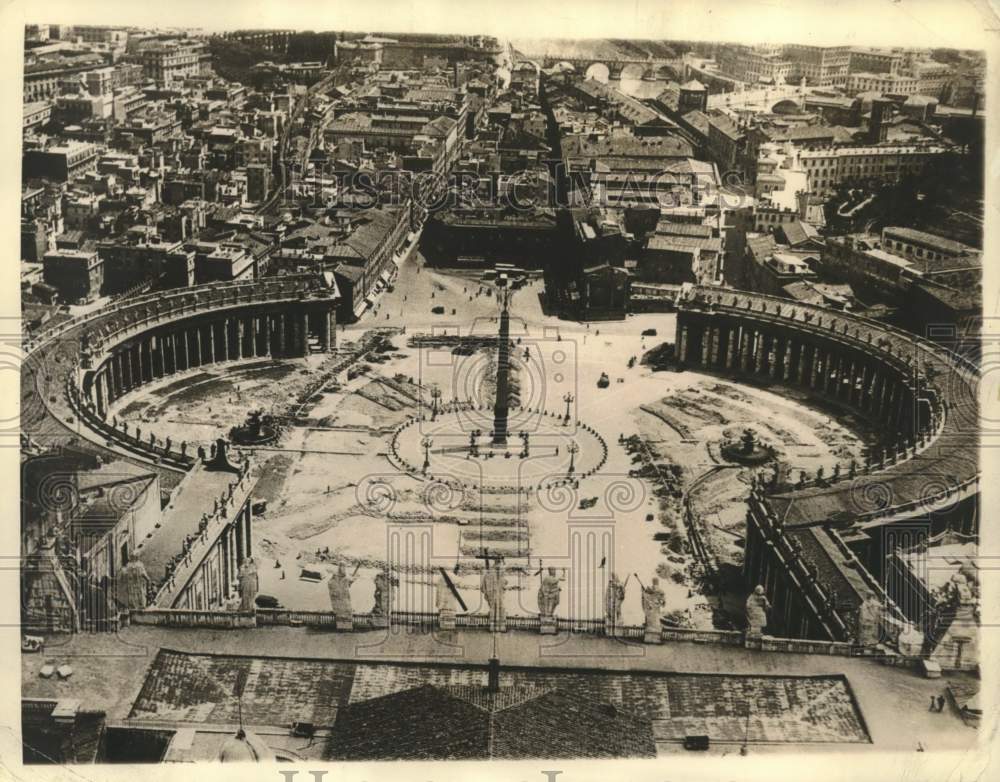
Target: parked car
<point>439,310</point>
<point>649,332</point>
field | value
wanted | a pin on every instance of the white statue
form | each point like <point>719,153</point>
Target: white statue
<point>757,606</point>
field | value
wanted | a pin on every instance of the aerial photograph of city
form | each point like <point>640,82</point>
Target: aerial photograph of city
<point>428,396</point>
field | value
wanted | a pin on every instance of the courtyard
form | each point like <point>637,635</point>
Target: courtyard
<point>625,478</point>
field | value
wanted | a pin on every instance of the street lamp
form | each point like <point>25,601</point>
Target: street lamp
<point>427,442</point>
<point>573,449</point>
<point>435,396</point>
<point>568,399</point>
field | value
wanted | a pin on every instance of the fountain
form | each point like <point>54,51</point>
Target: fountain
<point>748,449</point>
<point>258,429</point>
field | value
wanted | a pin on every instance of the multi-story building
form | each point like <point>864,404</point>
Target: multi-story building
<point>99,81</point>
<point>828,167</point>
<point>364,52</point>
<point>43,75</point>
<point>926,249</point>
<point>81,106</point>
<point>94,33</point>
<point>865,60</point>
<point>931,77</point>
<point>727,144</point>
<point>151,127</point>
<point>171,61</point>
<point>81,209</point>
<point>35,114</point>
<point>258,182</point>
<point>820,66</point>
<point>224,262</point>
<point>61,163</point>
<point>255,151</point>
<point>903,257</point>
<point>78,275</point>
<point>889,83</point>
<point>143,259</point>
<point>755,64</point>
<point>127,101</point>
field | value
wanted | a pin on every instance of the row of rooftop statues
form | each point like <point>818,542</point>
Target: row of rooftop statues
<point>492,586</point>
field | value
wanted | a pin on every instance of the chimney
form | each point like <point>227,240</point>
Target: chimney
<point>493,683</point>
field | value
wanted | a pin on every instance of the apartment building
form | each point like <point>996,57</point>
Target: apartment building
<point>828,167</point>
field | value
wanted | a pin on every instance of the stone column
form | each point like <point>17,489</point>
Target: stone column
<point>157,356</point>
<point>185,348</point>
<point>199,347</point>
<point>222,347</point>
<point>777,348</point>
<point>97,394</point>
<point>905,411</point>
<point>302,329</point>
<point>706,344</point>
<point>119,380</point>
<point>759,359</point>
<point>224,565</point>
<point>127,367</point>
<point>238,529</point>
<point>331,316</point>
<point>731,336</point>
<point>240,337</point>
<point>832,376</point>
<point>176,354</point>
<point>716,356</point>
<point>805,353</point>
<point>282,343</point>
<point>137,377</point>
<point>745,354</point>
<point>146,360</point>
<point>265,327</point>
<point>818,359</point>
<point>863,391</point>
<point>324,330</point>
<point>875,392</point>
<point>683,344</point>
<point>889,396</point>
<point>248,525</point>
<point>789,346</point>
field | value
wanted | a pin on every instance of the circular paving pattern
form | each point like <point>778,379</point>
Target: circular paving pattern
<point>542,449</point>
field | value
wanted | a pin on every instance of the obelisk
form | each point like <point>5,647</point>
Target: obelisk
<point>503,374</point>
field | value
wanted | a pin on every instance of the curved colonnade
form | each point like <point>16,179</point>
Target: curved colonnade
<point>819,546</point>
<point>73,373</point>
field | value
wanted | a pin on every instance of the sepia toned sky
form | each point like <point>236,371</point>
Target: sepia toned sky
<point>912,23</point>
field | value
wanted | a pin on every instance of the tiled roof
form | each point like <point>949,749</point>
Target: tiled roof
<point>698,120</point>
<point>667,227</point>
<point>761,247</point>
<point>437,710</point>
<point>798,232</point>
<point>931,240</point>
<point>467,721</point>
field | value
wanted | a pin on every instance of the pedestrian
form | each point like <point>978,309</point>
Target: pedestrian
<point>940,703</point>
<point>933,704</point>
